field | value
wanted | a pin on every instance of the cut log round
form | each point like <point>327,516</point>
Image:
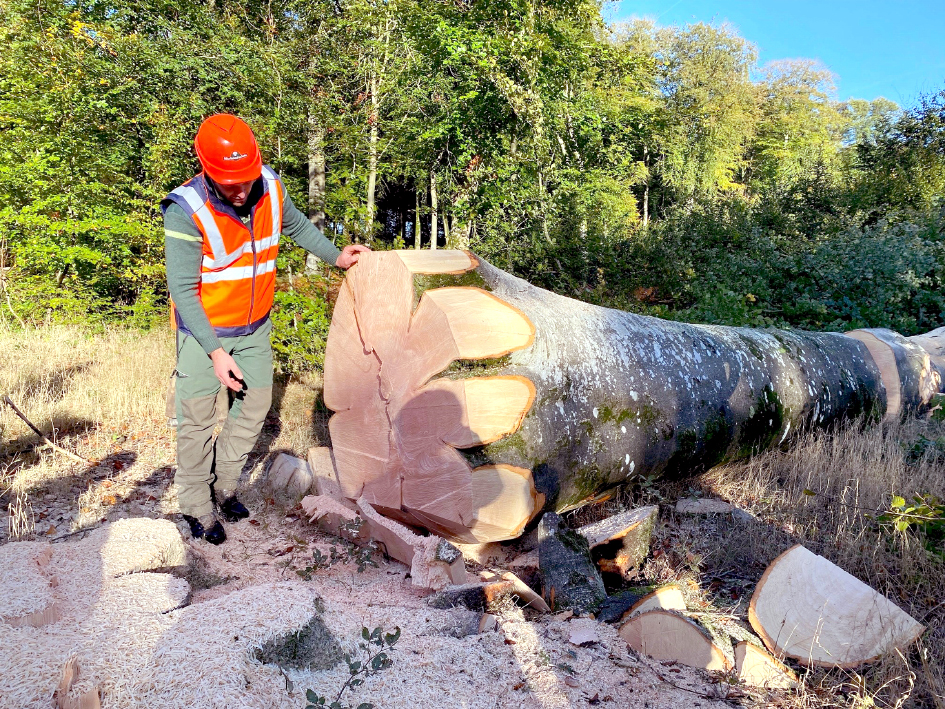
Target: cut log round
<point>756,668</point>
<point>667,598</point>
<point>811,610</point>
<point>663,635</point>
<point>436,375</point>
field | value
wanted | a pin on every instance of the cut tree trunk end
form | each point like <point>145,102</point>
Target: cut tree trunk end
<point>467,400</point>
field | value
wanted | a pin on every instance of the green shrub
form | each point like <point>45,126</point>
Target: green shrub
<point>300,318</point>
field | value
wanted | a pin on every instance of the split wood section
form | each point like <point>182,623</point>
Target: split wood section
<point>810,610</point>
<point>756,668</point>
<point>664,635</point>
<point>667,598</point>
<point>395,433</point>
<point>434,563</point>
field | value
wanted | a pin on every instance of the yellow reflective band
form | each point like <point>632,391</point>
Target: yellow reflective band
<point>181,235</point>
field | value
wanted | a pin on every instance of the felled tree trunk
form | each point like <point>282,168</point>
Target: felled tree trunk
<point>468,400</point>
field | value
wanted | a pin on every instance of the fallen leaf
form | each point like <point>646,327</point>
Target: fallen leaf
<point>509,641</point>
<point>254,522</point>
<point>110,499</point>
<point>518,686</point>
<point>106,483</point>
<point>51,530</point>
<point>571,682</point>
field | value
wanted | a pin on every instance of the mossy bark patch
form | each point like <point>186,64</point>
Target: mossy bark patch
<point>569,577</point>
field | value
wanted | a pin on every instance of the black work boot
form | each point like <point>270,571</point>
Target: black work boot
<point>196,529</point>
<point>206,527</point>
<point>231,508</point>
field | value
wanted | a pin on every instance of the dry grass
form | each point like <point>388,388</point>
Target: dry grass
<point>102,395</point>
<point>854,473</point>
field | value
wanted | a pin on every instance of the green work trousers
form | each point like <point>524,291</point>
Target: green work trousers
<point>202,462</point>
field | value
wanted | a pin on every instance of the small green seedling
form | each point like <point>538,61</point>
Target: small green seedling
<point>375,646</point>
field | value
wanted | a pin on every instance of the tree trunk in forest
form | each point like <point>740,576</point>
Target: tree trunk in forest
<point>646,187</point>
<point>416,220</point>
<point>316,182</point>
<point>471,410</point>
<point>372,160</point>
<point>544,210</point>
<point>434,225</point>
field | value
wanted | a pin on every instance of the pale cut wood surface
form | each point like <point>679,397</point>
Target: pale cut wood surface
<point>616,527</point>
<point>47,616</point>
<point>666,636</point>
<point>88,700</point>
<point>467,412</point>
<point>885,359</point>
<point>322,464</point>
<point>504,500</point>
<point>481,324</point>
<point>522,589</point>
<point>396,540</point>
<point>447,261</point>
<point>808,609</point>
<point>394,432</point>
<point>667,598</point>
<point>756,668</point>
<point>350,370</point>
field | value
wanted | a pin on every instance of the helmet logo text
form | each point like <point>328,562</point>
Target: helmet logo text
<point>236,155</point>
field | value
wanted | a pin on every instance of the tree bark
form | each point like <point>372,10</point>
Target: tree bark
<point>372,158</point>
<point>488,400</point>
<point>646,187</point>
<point>434,225</point>
<point>416,220</point>
<point>316,182</point>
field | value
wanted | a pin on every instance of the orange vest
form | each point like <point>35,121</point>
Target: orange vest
<point>238,272</point>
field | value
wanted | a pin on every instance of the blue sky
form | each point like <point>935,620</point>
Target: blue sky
<point>893,49</point>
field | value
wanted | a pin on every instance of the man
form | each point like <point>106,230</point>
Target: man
<point>222,231</point>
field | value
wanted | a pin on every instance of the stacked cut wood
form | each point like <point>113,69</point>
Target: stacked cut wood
<point>803,608</point>
<point>466,401</point>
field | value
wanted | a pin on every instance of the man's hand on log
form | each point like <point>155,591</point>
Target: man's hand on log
<point>349,255</point>
<point>224,366</point>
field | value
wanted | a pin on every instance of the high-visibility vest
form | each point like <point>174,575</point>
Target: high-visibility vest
<point>238,271</point>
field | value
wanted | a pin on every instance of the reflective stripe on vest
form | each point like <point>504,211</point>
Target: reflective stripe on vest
<point>237,274</point>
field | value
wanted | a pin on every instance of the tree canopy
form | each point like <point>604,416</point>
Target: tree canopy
<point>653,168</point>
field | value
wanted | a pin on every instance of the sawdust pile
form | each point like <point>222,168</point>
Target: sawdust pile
<point>144,639</point>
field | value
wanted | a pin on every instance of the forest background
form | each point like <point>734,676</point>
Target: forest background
<point>654,169</point>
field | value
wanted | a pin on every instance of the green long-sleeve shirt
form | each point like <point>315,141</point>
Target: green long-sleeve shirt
<point>183,248</point>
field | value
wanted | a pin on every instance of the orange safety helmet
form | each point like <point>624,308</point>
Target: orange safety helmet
<point>227,150</point>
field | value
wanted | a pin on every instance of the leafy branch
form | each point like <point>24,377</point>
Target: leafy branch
<point>362,555</point>
<point>375,648</point>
